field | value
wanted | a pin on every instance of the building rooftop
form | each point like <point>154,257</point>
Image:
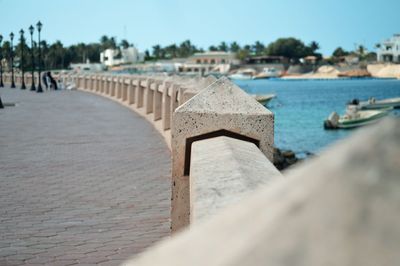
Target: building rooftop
<point>213,54</point>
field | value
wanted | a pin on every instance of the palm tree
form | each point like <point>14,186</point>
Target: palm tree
<point>223,47</point>
<point>213,48</point>
<point>124,43</point>
<point>258,48</point>
<point>157,51</point>
<point>314,46</point>
<point>235,47</point>
<point>171,51</point>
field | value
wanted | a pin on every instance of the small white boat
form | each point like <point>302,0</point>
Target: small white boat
<point>264,99</point>
<point>243,74</point>
<point>372,103</point>
<point>354,118</point>
<point>268,72</point>
<point>240,76</point>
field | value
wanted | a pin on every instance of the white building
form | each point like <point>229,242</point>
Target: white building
<point>209,62</point>
<point>92,67</point>
<point>112,57</point>
<point>389,50</point>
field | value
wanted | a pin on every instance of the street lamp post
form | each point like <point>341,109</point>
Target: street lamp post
<point>39,28</point>
<point>33,88</point>
<point>1,63</point>
<point>12,60</point>
<point>21,62</point>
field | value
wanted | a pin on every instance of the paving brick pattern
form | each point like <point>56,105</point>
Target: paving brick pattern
<point>83,180</point>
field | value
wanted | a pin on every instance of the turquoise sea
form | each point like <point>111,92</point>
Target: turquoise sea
<point>301,106</point>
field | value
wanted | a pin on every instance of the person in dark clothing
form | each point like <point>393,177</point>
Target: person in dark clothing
<point>53,82</point>
<point>44,80</point>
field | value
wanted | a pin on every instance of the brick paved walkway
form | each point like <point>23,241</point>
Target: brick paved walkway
<point>83,180</point>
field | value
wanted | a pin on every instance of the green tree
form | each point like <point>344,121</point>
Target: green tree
<point>314,46</point>
<point>6,52</point>
<point>56,56</point>
<point>17,54</point>
<point>338,52</point>
<point>186,49</point>
<point>234,47</point>
<point>223,47</point>
<point>291,48</point>
<point>243,53</point>
<point>107,43</point>
<point>157,51</point>
<point>147,55</point>
<point>258,48</point>
<point>213,48</point>
<point>171,51</point>
<point>124,44</point>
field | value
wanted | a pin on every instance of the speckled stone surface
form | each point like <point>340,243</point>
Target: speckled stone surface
<point>339,209</point>
<point>221,106</point>
<point>223,171</point>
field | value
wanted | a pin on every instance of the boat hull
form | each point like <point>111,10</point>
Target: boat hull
<point>240,77</point>
<point>367,117</point>
<point>381,104</point>
<point>361,122</point>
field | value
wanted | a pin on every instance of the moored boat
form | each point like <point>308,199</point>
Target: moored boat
<point>372,103</point>
<point>264,99</point>
<point>354,118</point>
<point>268,72</point>
<point>243,74</point>
<point>240,76</point>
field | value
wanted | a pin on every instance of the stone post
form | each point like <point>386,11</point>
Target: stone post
<point>157,100</point>
<point>221,109</point>
<point>142,83</point>
<point>125,83</point>
<point>131,92</point>
<point>119,84</point>
<point>166,105</point>
<point>114,86</point>
<point>148,96</point>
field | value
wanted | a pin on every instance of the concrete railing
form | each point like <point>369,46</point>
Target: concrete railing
<point>185,111</point>
<point>338,209</point>
<point>18,79</point>
<point>196,112</point>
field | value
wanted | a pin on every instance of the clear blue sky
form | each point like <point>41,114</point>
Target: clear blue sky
<point>206,22</point>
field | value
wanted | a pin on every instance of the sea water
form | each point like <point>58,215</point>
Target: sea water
<point>301,106</point>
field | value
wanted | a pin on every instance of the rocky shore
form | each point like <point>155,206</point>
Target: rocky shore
<point>335,72</point>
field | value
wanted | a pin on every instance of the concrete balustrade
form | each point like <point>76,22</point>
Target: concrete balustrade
<point>241,210</point>
<point>187,110</point>
<point>340,208</point>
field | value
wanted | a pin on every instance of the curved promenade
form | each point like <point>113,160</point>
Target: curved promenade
<point>83,180</point>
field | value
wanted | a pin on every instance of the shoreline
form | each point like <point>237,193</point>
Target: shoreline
<point>301,78</point>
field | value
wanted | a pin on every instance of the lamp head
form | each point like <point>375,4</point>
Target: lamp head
<point>31,29</point>
<point>39,26</point>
